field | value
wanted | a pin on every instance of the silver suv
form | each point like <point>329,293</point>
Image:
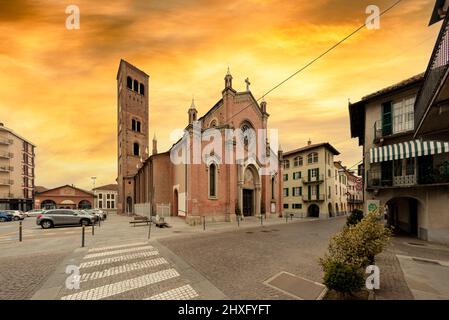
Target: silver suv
<point>63,217</point>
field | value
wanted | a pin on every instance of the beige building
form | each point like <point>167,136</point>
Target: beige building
<point>16,171</point>
<point>404,131</point>
<point>354,191</point>
<point>312,184</point>
<point>106,198</point>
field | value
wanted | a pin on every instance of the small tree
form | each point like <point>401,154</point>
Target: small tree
<point>358,244</point>
<point>343,278</point>
<point>355,217</point>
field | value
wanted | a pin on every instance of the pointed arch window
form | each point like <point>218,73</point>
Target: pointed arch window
<point>136,86</point>
<point>142,89</point>
<point>212,180</point>
<point>129,83</point>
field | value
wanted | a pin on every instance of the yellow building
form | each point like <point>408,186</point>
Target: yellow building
<point>310,180</point>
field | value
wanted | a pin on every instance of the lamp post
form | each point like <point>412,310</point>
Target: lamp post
<point>93,187</point>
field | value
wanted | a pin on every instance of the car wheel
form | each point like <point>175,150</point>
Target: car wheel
<point>16,218</point>
<point>85,222</point>
<point>46,224</point>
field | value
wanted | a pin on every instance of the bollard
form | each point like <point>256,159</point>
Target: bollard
<point>291,217</point>
<point>238,220</point>
<point>149,229</point>
<point>261,220</point>
<point>93,228</point>
<point>286,218</point>
<point>20,231</point>
<point>82,236</point>
<point>204,223</point>
<point>99,222</point>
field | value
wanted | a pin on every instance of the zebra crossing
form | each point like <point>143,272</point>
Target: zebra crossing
<point>129,271</point>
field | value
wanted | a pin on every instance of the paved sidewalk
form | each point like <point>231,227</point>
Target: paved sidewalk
<point>413,269</point>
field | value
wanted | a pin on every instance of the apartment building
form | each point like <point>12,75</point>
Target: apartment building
<point>16,171</point>
<point>354,191</point>
<point>404,131</point>
<point>310,180</point>
<point>106,197</point>
<point>340,196</point>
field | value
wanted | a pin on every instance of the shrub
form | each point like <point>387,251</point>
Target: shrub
<point>355,217</point>
<point>358,244</point>
<point>342,277</point>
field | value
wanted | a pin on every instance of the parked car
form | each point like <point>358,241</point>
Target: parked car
<point>16,214</point>
<point>5,216</point>
<point>63,217</point>
<point>95,216</point>
<point>34,212</point>
<point>102,213</point>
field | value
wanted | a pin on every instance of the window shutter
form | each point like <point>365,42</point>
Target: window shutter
<point>386,119</point>
<point>318,192</point>
<point>317,174</point>
<point>310,191</point>
<point>308,172</point>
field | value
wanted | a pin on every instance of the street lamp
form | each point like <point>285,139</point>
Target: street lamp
<point>93,187</point>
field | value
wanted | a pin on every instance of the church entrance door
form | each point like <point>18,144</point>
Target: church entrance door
<point>248,202</point>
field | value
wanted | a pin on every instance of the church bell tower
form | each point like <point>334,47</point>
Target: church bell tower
<point>132,130</point>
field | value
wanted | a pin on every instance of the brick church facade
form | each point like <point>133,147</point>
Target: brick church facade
<point>224,182</point>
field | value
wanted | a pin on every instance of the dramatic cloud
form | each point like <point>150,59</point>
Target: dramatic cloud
<point>58,87</point>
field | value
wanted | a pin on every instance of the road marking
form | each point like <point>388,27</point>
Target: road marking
<point>122,269</point>
<point>123,286</point>
<point>110,253</point>
<point>94,263</point>
<point>182,293</point>
<point>117,247</point>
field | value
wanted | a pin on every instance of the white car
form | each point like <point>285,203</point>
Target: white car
<point>16,214</point>
<point>34,212</point>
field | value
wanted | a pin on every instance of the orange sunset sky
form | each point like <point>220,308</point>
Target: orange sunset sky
<point>58,87</point>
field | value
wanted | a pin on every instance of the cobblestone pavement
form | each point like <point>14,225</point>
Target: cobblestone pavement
<point>392,282</point>
<point>239,262</point>
<point>22,276</point>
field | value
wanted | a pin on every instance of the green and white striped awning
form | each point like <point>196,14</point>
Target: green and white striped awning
<point>407,149</point>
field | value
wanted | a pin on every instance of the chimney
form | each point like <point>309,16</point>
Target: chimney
<point>309,142</point>
<point>154,151</point>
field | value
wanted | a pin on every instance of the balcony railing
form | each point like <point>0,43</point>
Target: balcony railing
<point>6,195</point>
<point>438,64</point>
<point>7,155</point>
<point>313,197</point>
<point>6,168</point>
<point>424,175</point>
<point>313,179</point>
<point>6,182</point>
<point>377,129</point>
<point>5,141</point>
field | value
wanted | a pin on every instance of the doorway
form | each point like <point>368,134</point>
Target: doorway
<point>248,202</point>
<point>313,211</point>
